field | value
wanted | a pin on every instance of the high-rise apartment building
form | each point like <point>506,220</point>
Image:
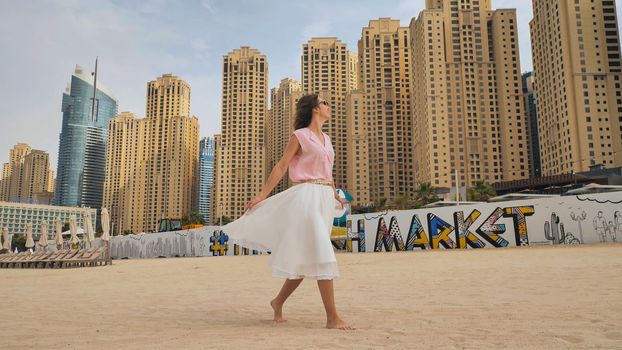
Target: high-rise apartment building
<point>123,165</point>
<point>16,155</point>
<point>240,149</point>
<point>206,177</point>
<point>153,163</point>
<point>280,125</point>
<point>215,214</point>
<point>533,144</point>
<point>576,58</point>
<point>382,115</point>
<point>26,174</point>
<point>330,70</point>
<point>82,143</point>
<point>4,182</point>
<point>358,171</point>
<point>51,181</point>
<point>34,174</point>
<point>467,98</point>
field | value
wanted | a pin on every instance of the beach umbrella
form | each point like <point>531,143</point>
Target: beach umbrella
<point>29,241</point>
<point>105,225</point>
<point>59,234</point>
<point>73,228</point>
<point>43,241</point>
<point>5,235</point>
<point>88,227</point>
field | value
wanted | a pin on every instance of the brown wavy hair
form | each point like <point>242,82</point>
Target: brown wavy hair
<point>304,111</point>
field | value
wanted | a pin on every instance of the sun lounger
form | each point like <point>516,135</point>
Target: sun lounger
<point>58,259</point>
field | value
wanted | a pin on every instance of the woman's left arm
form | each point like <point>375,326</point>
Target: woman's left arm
<point>343,201</point>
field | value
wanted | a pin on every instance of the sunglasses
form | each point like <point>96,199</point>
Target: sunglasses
<point>325,103</point>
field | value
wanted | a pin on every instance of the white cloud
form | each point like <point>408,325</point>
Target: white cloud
<point>151,7</point>
<point>318,28</point>
<point>209,6</point>
<point>60,34</point>
<point>410,7</point>
<point>136,41</point>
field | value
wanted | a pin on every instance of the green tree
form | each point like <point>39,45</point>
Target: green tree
<point>362,210</point>
<point>65,227</point>
<point>193,217</point>
<point>480,191</point>
<point>379,205</point>
<point>225,220</point>
<point>128,232</point>
<point>402,202</point>
<point>425,194</point>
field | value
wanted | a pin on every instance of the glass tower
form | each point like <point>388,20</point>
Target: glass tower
<point>533,144</point>
<point>82,144</point>
<point>206,176</point>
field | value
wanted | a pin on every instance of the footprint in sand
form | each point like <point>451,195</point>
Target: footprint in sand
<point>613,335</point>
<point>570,339</point>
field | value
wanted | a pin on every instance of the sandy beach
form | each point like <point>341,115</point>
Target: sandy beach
<point>514,298</point>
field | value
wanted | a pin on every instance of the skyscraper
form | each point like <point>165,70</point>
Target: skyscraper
<point>467,99</point>
<point>123,164</point>
<point>384,113</point>
<point>533,144</point>
<point>51,181</point>
<point>280,125</point>
<point>153,163</point>
<point>576,58</point>
<point>83,141</point>
<point>240,148</point>
<point>34,174</point>
<point>215,214</point>
<point>27,174</point>
<point>16,155</point>
<point>329,69</point>
<point>358,171</point>
<point>206,177</point>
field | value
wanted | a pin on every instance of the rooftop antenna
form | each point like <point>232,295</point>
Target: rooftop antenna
<point>93,117</point>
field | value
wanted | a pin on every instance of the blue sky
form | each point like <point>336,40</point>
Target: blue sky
<point>137,41</point>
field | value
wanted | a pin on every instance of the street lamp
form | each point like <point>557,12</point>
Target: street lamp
<point>113,215</point>
<point>457,187</point>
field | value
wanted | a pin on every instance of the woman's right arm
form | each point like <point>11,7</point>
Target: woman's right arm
<point>278,171</point>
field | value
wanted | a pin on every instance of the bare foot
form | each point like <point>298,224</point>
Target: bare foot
<point>278,312</point>
<point>338,323</point>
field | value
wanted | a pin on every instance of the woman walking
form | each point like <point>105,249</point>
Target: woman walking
<point>294,225</point>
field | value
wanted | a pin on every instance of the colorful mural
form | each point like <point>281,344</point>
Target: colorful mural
<point>494,225</point>
<point>357,236</point>
<point>554,220</point>
<point>219,243</point>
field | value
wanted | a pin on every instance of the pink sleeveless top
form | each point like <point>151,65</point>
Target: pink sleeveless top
<point>315,160</point>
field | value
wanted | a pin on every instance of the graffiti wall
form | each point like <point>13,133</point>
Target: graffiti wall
<point>206,241</point>
<point>556,220</point>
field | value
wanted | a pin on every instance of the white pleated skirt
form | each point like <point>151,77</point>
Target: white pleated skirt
<point>294,226</point>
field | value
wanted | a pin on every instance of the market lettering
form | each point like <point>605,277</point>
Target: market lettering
<point>460,235</point>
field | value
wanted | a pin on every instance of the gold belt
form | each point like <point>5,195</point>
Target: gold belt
<point>317,182</point>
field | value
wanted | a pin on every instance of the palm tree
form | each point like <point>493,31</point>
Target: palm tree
<point>480,191</point>
<point>426,194</point>
<point>380,204</point>
<point>193,217</point>
<point>402,202</point>
<point>226,220</point>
